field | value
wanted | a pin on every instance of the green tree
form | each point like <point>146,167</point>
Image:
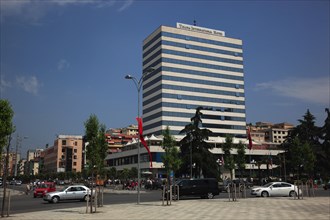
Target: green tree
<point>228,157</point>
<point>240,159</point>
<point>112,173</point>
<point>305,134</point>
<point>325,146</point>
<point>171,159</point>
<point>6,125</point>
<point>302,157</point>
<point>6,129</point>
<point>133,173</point>
<point>194,145</point>
<point>124,174</point>
<point>97,148</point>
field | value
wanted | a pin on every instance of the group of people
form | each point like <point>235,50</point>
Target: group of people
<point>130,185</point>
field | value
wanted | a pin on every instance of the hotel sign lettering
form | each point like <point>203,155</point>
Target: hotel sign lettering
<point>200,29</point>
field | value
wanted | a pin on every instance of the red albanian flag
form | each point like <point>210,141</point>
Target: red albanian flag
<point>144,143</point>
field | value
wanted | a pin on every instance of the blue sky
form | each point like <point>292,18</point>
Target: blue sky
<point>63,60</point>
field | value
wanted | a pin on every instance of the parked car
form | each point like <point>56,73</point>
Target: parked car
<point>74,192</point>
<point>326,185</point>
<point>204,188</point>
<point>15,182</point>
<point>18,182</point>
<point>275,189</point>
<point>60,182</point>
<point>44,188</point>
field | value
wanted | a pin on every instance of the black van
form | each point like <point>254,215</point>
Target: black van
<point>204,188</point>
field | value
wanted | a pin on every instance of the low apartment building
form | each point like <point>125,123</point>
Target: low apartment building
<point>66,154</point>
<point>270,133</point>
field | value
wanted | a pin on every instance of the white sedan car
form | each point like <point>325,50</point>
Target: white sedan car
<point>74,192</point>
<point>275,189</point>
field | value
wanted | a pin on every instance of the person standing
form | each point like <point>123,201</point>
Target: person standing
<point>28,188</point>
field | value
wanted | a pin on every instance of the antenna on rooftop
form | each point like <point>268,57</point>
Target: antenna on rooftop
<point>194,22</point>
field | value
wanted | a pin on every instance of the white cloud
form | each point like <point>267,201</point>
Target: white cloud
<point>126,5</point>
<point>28,84</point>
<point>63,64</point>
<point>27,10</point>
<point>315,90</point>
<point>33,10</point>
<point>4,84</point>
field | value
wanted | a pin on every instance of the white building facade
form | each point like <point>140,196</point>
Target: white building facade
<point>194,67</point>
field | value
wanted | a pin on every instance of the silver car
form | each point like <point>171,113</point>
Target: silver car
<point>74,192</point>
<point>275,189</point>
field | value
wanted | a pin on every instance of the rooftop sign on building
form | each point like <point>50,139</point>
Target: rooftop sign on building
<point>200,29</point>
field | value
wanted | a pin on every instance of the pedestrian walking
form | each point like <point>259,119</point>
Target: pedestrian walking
<point>28,188</point>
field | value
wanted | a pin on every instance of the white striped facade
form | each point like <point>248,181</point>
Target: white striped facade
<point>193,69</point>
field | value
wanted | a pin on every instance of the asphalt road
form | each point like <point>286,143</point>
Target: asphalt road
<point>26,203</point>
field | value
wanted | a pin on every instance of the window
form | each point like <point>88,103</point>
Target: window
<point>75,157</point>
<point>63,142</point>
<point>75,150</point>
<point>74,163</point>
<point>63,150</point>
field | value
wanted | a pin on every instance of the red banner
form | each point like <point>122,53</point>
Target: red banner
<point>144,143</point>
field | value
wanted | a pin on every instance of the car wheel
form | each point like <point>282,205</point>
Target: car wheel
<point>55,199</point>
<point>210,195</point>
<point>86,198</point>
<point>264,194</point>
<point>292,194</point>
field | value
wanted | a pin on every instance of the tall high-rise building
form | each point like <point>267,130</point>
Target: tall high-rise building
<point>194,67</point>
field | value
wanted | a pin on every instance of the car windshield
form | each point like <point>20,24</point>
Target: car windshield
<point>43,185</point>
<point>268,185</point>
<point>65,189</point>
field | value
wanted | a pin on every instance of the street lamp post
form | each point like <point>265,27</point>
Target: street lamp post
<point>138,84</point>
<point>253,162</point>
<point>85,154</point>
<point>18,144</point>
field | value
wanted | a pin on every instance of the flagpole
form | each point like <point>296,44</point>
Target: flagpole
<point>250,148</point>
<point>250,163</point>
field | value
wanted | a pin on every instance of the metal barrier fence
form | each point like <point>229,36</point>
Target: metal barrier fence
<point>95,200</point>
<point>168,195</point>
